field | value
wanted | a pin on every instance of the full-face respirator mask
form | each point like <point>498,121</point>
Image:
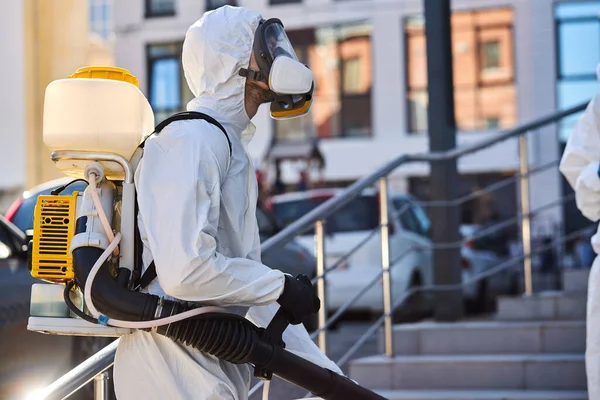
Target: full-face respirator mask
<point>290,80</point>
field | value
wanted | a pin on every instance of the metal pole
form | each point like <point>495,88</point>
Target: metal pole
<point>320,255</point>
<point>444,180</point>
<point>101,386</point>
<point>525,218</point>
<point>385,264</point>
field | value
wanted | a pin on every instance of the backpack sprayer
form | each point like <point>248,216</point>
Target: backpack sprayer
<point>84,245</point>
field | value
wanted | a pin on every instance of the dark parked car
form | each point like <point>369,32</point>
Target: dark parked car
<point>30,360</point>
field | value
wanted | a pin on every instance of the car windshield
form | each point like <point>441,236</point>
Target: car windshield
<point>23,218</point>
<point>412,217</point>
<point>361,214</point>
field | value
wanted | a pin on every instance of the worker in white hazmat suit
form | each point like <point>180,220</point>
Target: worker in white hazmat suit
<point>580,164</point>
<point>197,209</point>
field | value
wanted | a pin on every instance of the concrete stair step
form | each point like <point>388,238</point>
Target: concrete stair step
<point>525,371</point>
<point>576,280</point>
<point>489,337</point>
<point>543,306</point>
<point>483,395</point>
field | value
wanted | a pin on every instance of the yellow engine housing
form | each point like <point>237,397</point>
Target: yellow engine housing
<point>53,229</point>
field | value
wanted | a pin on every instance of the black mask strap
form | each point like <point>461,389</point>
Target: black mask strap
<point>252,74</point>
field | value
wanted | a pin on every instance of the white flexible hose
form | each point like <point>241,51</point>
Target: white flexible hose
<point>112,246</point>
<point>87,291</point>
<point>100,210</point>
<point>266,388</point>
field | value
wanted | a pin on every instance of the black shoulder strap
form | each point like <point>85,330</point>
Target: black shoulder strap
<point>148,276</point>
<point>150,272</point>
<point>190,115</point>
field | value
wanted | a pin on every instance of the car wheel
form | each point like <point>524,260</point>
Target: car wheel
<point>83,347</point>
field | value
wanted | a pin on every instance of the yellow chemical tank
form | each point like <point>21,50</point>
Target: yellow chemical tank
<point>97,109</point>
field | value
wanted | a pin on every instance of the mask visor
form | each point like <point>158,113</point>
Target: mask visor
<point>276,42</point>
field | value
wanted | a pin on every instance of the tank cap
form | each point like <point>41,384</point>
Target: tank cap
<point>104,72</point>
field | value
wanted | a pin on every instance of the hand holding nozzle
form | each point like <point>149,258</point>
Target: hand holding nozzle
<point>297,301</point>
<point>298,298</point>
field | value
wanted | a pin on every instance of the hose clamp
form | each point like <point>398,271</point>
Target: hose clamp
<point>159,308</point>
<point>158,312</point>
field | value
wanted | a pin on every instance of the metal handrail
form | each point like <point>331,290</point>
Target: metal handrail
<point>80,375</point>
<point>348,303</point>
<point>411,291</point>
<point>499,268</point>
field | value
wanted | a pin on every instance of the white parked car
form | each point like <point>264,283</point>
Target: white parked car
<point>350,226</point>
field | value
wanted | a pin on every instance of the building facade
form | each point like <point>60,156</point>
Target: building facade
<point>514,61</point>
<point>48,40</point>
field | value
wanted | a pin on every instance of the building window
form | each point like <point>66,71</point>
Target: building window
<point>578,52</point>
<point>214,4</point>
<point>341,60</point>
<point>101,18</point>
<point>167,89</point>
<point>492,123</point>
<point>483,68</point>
<point>160,8</point>
<point>352,73</point>
<point>490,54</point>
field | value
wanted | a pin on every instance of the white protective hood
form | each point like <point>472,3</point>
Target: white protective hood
<point>214,50</point>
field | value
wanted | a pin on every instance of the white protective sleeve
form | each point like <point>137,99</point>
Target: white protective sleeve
<point>580,161</point>
<point>179,203</point>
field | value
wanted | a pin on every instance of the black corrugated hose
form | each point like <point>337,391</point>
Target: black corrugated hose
<point>228,337</point>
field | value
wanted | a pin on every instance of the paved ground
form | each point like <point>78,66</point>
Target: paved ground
<point>339,341</point>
